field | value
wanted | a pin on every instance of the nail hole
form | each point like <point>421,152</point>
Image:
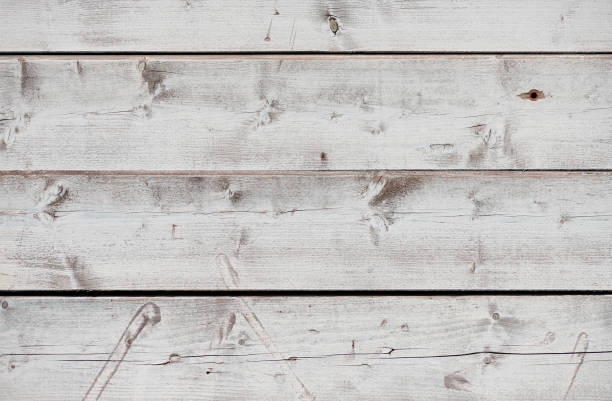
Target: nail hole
<point>533,95</point>
<point>495,316</point>
<point>4,305</point>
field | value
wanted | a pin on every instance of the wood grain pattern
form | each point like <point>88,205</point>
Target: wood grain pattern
<point>309,230</point>
<point>237,145</point>
<point>338,348</point>
<point>306,25</point>
<point>306,113</point>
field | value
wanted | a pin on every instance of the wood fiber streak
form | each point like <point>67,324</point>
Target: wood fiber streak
<point>306,25</point>
<point>306,113</point>
<point>349,231</point>
<point>323,348</point>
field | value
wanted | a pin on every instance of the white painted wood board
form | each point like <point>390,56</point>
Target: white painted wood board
<point>340,230</point>
<point>305,113</point>
<point>324,348</point>
<point>306,25</point>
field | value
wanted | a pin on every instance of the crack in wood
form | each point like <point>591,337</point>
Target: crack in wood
<point>294,358</point>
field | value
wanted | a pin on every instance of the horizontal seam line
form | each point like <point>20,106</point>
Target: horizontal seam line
<point>295,293</point>
<point>298,172</point>
<point>301,53</point>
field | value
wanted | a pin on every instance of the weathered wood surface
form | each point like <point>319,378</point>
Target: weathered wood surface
<point>349,230</point>
<point>306,112</point>
<point>324,348</point>
<point>306,25</point>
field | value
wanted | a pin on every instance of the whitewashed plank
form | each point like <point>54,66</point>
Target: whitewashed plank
<point>306,113</point>
<point>453,230</point>
<point>310,25</point>
<point>336,348</point>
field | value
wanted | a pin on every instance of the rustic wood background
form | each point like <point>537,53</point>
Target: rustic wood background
<point>312,200</point>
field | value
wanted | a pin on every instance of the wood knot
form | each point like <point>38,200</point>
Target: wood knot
<point>234,196</point>
<point>52,198</point>
<point>268,113</point>
<point>442,147</point>
<point>333,24</point>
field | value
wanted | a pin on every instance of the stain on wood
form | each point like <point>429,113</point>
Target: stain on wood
<point>390,190</point>
<point>455,381</point>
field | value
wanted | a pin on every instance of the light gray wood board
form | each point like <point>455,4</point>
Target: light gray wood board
<point>337,348</point>
<point>305,113</point>
<point>311,25</point>
<point>351,230</point>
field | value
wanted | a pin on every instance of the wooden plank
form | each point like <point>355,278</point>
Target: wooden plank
<point>352,230</point>
<point>324,348</point>
<point>306,113</point>
<point>306,25</point>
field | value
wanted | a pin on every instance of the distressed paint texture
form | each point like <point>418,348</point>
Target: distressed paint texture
<point>307,230</point>
<point>307,25</point>
<point>454,348</point>
<point>305,112</point>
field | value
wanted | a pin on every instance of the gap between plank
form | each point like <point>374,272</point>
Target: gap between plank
<point>453,172</point>
<point>295,293</point>
<point>302,53</point>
